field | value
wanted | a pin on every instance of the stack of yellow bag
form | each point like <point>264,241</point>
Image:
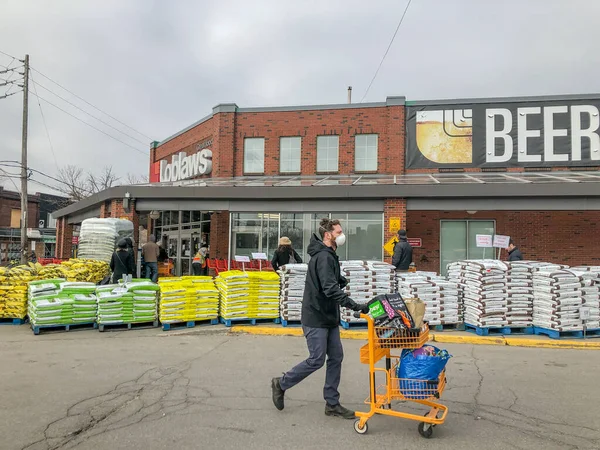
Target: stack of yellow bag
<point>234,290</point>
<point>185,299</point>
<point>13,290</point>
<point>264,295</point>
<point>77,270</point>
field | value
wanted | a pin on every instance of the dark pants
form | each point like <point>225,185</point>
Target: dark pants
<point>322,342</point>
<point>197,269</point>
<point>152,271</point>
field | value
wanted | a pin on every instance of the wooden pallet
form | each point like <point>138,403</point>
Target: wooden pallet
<point>354,325</point>
<point>576,334</point>
<point>37,329</point>
<point>127,326</point>
<point>230,322</point>
<point>188,324</point>
<point>12,321</point>
<point>448,327</point>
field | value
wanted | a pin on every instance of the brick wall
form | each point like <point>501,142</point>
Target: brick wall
<point>11,200</point>
<point>219,235</point>
<point>119,212</point>
<point>64,239</point>
<point>566,237</point>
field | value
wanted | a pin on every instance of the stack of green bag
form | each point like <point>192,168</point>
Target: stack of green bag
<point>234,294</point>
<point>59,302</point>
<point>264,295</point>
<point>185,299</point>
<point>133,302</point>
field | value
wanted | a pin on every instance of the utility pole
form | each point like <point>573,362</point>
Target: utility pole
<point>24,202</point>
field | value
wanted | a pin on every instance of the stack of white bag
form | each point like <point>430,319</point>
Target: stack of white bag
<point>366,279</point>
<point>450,303</point>
<point>293,280</point>
<point>420,285</point>
<point>520,293</point>
<point>557,300</point>
<point>590,289</point>
<point>454,274</point>
<point>98,237</point>
<point>485,293</point>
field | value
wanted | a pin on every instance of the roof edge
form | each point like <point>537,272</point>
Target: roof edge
<point>542,98</point>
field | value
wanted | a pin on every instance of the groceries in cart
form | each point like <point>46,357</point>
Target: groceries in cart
<point>419,371</point>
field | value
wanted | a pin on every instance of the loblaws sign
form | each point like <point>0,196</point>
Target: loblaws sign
<point>183,166</point>
<point>536,133</point>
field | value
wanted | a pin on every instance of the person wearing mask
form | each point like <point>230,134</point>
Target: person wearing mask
<point>323,296</point>
<point>199,261</point>
<point>285,254</point>
<point>121,263</point>
<point>402,253</point>
<point>150,253</point>
<point>514,254</point>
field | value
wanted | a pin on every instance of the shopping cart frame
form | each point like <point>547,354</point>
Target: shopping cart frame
<point>381,397</point>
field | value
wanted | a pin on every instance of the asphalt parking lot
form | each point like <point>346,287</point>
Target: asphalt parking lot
<point>146,389</point>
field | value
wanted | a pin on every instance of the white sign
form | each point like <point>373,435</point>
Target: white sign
<point>183,166</point>
<point>484,240</point>
<point>242,259</point>
<point>501,241</point>
<point>584,313</point>
<point>262,256</point>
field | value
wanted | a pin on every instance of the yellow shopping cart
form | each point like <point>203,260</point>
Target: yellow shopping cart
<point>381,342</point>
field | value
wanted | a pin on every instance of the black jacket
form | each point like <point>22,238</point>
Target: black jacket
<point>121,264</point>
<point>515,255</point>
<point>402,255</point>
<point>323,295</point>
<point>283,258</point>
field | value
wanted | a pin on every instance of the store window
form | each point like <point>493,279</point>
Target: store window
<point>254,155</point>
<point>364,233</point>
<point>327,153</point>
<point>458,240</point>
<point>365,152</point>
<point>289,158</point>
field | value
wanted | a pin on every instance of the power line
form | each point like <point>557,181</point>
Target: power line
<point>45,185</point>
<point>387,50</point>
<point>12,93</point>
<point>44,120</point>
<point>95,107</point>
<point>91,115</point>
<point>92,126</point>
<point>6,54</point>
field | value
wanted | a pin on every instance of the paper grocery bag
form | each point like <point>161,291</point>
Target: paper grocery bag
<point>416,308</point>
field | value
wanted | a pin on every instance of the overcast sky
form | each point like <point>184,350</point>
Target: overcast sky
<point>159,66</point>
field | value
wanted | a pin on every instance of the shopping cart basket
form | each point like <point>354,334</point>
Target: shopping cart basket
<point>381,342</point>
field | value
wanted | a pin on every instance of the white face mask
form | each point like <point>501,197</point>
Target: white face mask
<point>340,240</point>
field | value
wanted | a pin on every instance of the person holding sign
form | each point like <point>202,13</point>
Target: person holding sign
<point>285,254</point>
<point>514,254</point>
<point>323,296</point>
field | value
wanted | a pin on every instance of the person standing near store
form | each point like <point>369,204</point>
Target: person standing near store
<point>514,254</point>
<point>150,252</point>
<point>323,296</point>
<point>121,263</point>
<point>403,252</point>
<point>199,261</point>
<point>285,254</point>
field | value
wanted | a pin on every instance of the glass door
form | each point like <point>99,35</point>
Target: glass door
<point>476,227</point>
<point>458,240</point>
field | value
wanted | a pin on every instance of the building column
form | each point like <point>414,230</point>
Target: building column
<point>117,211</point>
<point>64,239</point>
<point>393,208</point>
<point>219,235</point>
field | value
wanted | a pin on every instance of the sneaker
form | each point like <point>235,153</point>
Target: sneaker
<point>339,411</point>
<point>277,393</point>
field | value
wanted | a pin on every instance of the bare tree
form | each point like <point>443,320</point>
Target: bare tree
<point>78,184</point>
<point>135,179</point>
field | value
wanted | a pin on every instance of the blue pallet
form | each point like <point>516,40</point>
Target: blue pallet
<point>291,323</point>
<point>480,331</point>
<point>189,324</point>
<point>348,325</point>
<point>229,322</point>
<point>12,321</point>
<point>521,330</point>
<point>71,327</point>
<point>448,327</point>
<point>127,326</point>
<point>555,334</point>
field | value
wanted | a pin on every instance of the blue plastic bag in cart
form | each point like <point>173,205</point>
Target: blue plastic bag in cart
<point>419,371</point>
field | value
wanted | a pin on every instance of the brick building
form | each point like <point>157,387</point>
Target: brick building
<point>445,171</point>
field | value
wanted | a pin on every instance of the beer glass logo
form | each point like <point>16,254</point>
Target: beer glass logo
<point>446,137</point>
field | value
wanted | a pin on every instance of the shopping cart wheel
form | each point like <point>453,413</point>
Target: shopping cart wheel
<point>360,430</point>
<point>426,430</point>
